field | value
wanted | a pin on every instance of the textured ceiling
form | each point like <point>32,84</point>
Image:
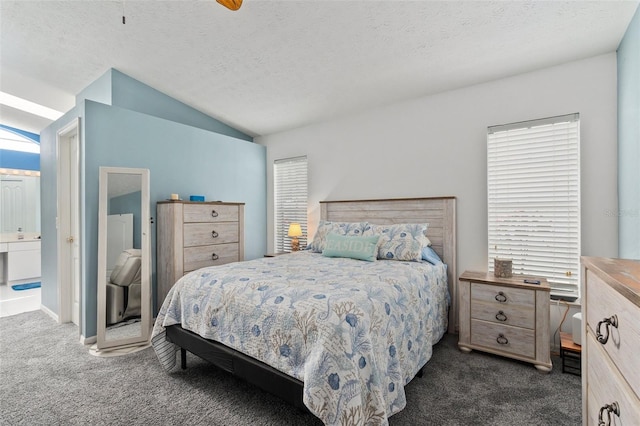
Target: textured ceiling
<point>277,65</point>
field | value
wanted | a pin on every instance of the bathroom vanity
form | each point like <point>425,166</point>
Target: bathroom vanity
<point>19,259</point>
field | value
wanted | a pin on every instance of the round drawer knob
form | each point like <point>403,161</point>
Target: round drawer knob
<point>500,316</point>
<point>214,234</point>
<point>502,340</point>
<point>214,213</point>
<point>214,257</point>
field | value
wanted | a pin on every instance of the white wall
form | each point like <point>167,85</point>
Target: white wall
<point>436,145</point>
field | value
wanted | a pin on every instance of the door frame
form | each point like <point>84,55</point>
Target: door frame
<point>65,287</point>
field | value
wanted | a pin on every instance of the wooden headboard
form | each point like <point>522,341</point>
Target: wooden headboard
<point>438,212</point>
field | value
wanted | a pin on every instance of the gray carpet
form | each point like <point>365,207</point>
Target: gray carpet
<point>48,378</point>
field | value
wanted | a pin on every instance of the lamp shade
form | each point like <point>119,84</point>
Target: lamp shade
<point>295,230</point>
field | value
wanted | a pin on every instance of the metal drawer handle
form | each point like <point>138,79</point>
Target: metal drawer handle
<point>500,316</point>
<point>609,408</point>
<point>214,213</point>
<point>500,297</point>
<point>214,234</point>
<point>501,339</point>
<point>613,320</point>
<point>214,256</point>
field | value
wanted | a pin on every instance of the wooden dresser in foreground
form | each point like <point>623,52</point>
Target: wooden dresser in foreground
<point>505,316</point>
<point>192,235</point>
<point>610,341</point>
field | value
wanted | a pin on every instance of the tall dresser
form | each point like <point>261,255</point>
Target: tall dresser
<point>192,235</point>
<point>611,341</point>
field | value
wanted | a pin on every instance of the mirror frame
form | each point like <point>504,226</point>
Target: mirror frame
<point>145,225</point>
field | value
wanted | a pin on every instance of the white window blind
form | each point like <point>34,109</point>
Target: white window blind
<point>533,179</point>
<point>290,193</point>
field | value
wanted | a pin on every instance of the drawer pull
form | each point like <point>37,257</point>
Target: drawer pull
<point>500,316</point>
<point>500,297</point>
<point>608,408</point>
<point>214,256</point>
<point>613,321</point>
<point>214,234</point>
<point>214,213</point>
<point>502,340</point>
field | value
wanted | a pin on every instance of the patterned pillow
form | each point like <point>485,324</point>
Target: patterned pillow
<point>402,241</point>
<point>341,228</point>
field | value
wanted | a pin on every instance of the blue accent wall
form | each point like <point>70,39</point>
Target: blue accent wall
<point>131,94</point>
<point>185,151</point>
<point>20,160</point>
<point>181,159</point>
<point>629,141</point>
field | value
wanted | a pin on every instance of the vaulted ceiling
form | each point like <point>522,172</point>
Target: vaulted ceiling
<point>277,65</point>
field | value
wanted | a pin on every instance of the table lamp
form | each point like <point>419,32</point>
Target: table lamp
<point>295,231</point>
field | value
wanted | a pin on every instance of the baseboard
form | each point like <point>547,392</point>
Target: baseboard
<point>49,312</point>
<point>88,340</point>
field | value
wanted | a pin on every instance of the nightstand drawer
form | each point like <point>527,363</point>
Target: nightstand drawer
<point>504,338</point>
<point>215,254</point>
<point>210,213</point>
<point>200,234</point>
<point>503,295</point>
<point>518,316</point>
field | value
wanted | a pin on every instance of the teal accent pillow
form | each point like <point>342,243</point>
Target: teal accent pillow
<point>361,248</point>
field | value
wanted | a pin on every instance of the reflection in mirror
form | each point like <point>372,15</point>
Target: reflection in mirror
<point>20,202</point>
<point>124,293</point>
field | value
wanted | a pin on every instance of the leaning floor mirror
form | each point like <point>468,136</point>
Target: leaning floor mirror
<point>124,272</point>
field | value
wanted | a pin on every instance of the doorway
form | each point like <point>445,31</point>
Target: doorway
<point>68,221</point>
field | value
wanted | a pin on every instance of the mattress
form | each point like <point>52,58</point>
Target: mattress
<point>354,332</point>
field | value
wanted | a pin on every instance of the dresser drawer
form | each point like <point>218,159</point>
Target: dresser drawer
<point>605,386</point>
<point>515,340</point>
<point>200,234</point>
<point>210,213</point>
<point>211,255</point>
<point>623,345</point>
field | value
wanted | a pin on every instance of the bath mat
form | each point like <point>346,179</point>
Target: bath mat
<point>26,286</point>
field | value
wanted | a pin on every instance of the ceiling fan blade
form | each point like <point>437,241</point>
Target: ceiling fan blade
<point>231,4</point>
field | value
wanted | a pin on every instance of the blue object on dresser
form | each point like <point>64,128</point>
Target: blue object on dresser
<point>196,198</point>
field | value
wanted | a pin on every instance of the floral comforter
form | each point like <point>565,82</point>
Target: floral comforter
<point>354,332</point>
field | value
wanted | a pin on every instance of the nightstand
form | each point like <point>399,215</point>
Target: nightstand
<point>505,316</point>
<point>275,254</point>
<point>570,354</point>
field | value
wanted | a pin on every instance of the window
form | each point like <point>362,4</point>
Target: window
<point>533,182</point>
<point>290,194</point>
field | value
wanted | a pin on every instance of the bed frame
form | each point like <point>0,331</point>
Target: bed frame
<point>439,212</point>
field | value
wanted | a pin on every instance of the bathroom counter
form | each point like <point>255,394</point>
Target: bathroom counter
<point>20,260</point>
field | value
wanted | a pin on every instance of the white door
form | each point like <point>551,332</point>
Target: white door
<point>68,146</point>
<point>74,224</point>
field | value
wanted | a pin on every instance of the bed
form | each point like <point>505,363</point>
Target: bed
<point>333,335</point>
